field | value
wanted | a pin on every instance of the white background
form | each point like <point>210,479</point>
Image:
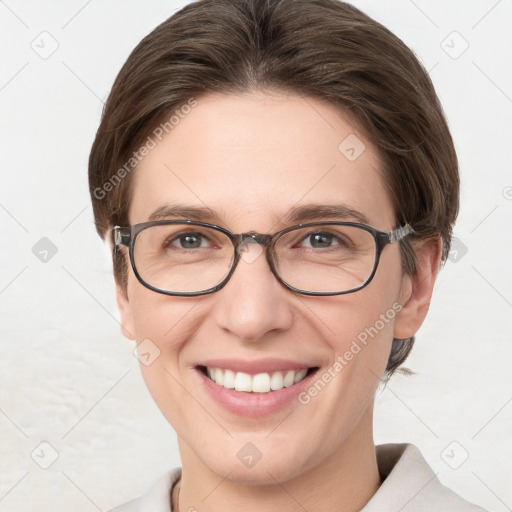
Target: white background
<point>68,376</point>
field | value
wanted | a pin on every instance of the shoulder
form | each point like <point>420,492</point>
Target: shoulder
<point>409,484</point>
<point>156,499</point>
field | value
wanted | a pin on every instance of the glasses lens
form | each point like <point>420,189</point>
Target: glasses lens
<point>182,258</point>
<point>325,258</point>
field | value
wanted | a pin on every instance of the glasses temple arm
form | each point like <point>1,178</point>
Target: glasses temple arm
<point>399,233</point>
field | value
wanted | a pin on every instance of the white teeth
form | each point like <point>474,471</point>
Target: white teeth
<point>259,383</point>
<point>276,382</point>
<point>218,376</point>
<point>289,378</point>
<point>243,382</point>
<point>300,375</point>
<point>229,379</point>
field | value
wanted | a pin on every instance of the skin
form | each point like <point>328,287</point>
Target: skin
<point>251,158</point>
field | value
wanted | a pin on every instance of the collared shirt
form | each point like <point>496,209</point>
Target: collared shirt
<point>408,485</point>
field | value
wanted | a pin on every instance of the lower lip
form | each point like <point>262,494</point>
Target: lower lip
<point>247,404</point>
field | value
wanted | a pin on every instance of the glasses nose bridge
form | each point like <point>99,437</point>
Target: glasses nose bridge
<point>252,237</point>
<point>242,240</point>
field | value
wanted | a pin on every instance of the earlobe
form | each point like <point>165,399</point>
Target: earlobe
<point>417,289</point>
<point>127,326</point>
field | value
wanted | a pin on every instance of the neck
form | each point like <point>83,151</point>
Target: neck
<point>345,480</point>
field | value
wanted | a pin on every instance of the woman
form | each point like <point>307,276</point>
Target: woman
<point>279,186</point>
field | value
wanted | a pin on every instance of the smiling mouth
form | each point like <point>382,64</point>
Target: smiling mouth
<point>264,382</point>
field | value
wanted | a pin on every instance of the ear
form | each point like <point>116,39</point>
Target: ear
<point>417,289</point>
<point>123,304</point>
<point>127,324</point>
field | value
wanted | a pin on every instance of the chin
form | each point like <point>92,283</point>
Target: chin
<point>258,461</point>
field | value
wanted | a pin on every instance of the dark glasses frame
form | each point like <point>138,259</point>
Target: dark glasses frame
<point>127,236</point>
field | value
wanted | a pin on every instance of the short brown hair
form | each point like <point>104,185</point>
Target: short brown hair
<point>323,49</point>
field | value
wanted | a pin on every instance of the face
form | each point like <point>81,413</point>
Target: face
<point>250,159</point>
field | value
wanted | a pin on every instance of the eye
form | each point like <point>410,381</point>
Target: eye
<point>188,240</point>
<point>323,240</point>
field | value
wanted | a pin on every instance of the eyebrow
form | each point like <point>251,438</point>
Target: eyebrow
<point>324,212</point>
<point>197,213</point>
<point>297,214</point>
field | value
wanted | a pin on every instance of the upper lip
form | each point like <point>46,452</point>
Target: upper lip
<point>256,366</point>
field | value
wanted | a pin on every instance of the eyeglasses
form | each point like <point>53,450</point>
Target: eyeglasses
<point>189,258</point>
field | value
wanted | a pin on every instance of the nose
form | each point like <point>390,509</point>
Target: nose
<point>253,303</point>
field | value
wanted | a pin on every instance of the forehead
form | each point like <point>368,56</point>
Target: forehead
<point>251,158</point>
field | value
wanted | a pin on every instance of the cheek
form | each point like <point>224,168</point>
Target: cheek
<point>359,327</point>
<point>162,326</point>
<point>158,317</point>
<point>360,332</point>
<point>367,314</point>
